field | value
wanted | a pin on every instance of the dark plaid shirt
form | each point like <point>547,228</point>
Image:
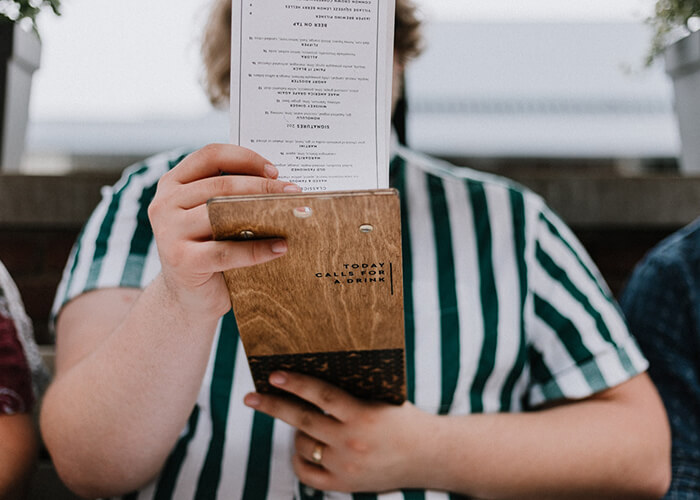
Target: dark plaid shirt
<point>662,305</point>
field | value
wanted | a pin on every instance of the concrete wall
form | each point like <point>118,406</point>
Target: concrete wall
<point>40,218</point>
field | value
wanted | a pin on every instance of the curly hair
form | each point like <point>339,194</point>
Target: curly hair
<point>408,42</point>
<point>216,45</point>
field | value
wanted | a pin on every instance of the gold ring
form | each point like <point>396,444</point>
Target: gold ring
<point>317,454</point>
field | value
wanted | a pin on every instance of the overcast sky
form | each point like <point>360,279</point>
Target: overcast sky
<point>136,59</point>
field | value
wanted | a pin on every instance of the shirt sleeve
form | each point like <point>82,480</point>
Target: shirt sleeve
<point>16,394</point>
<point>23,375</point>
<point>116,247</point>
<point>579,343</point>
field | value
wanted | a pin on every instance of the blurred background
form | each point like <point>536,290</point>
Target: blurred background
<point>539,84</point>
<point>552,93</point>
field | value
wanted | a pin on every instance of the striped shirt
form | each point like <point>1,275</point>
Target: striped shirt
<point>504,311</point>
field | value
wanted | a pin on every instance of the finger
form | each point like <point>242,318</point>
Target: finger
<point>297,414</point>
<point>195,224</point>
<point>329,398</point>
<point>218,256</point>
<point>307,446</point>
<point>198,192</point>
<point>312,475</point>
<point>213,159</point>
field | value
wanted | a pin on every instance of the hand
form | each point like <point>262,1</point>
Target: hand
<point>364,446</point>
<point>191,261</point>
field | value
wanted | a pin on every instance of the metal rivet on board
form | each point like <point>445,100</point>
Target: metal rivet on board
<point>366,228</point>
<point>247,235</point>
<point>303,212</point>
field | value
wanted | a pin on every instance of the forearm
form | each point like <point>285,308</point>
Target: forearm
<point>14,477</point>
<point>113,417</point>
<point>591,449</point>
<point>18,453</point>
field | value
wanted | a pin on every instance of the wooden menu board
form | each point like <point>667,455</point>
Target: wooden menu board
<point>332,306</point>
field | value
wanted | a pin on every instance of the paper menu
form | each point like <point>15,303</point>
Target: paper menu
<point>311,89</point>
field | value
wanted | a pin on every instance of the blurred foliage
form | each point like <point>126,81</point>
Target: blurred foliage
<point>671,18</point>
<point>26,11</point>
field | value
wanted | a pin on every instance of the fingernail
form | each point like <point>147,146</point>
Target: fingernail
<point>279,246</point>
<point>252,400</point>
<point>278,378</point>
<point>292,188</point>
<point>271,171</point>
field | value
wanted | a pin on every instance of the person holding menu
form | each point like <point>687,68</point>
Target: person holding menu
<point>522,378</point>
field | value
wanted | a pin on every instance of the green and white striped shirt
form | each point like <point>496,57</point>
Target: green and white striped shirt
<point>504,311</point>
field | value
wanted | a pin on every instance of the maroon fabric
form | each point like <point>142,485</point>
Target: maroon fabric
<point>16,394</point>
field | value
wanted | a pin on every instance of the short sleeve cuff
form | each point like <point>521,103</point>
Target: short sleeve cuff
<point>603,371</point>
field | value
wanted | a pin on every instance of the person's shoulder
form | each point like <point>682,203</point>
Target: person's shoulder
<point>681,247</point>
<point>144,174</point>
<point>688,241</point>
<point>673,263</point>
<point>448,172</point>
<point>161,162</point>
